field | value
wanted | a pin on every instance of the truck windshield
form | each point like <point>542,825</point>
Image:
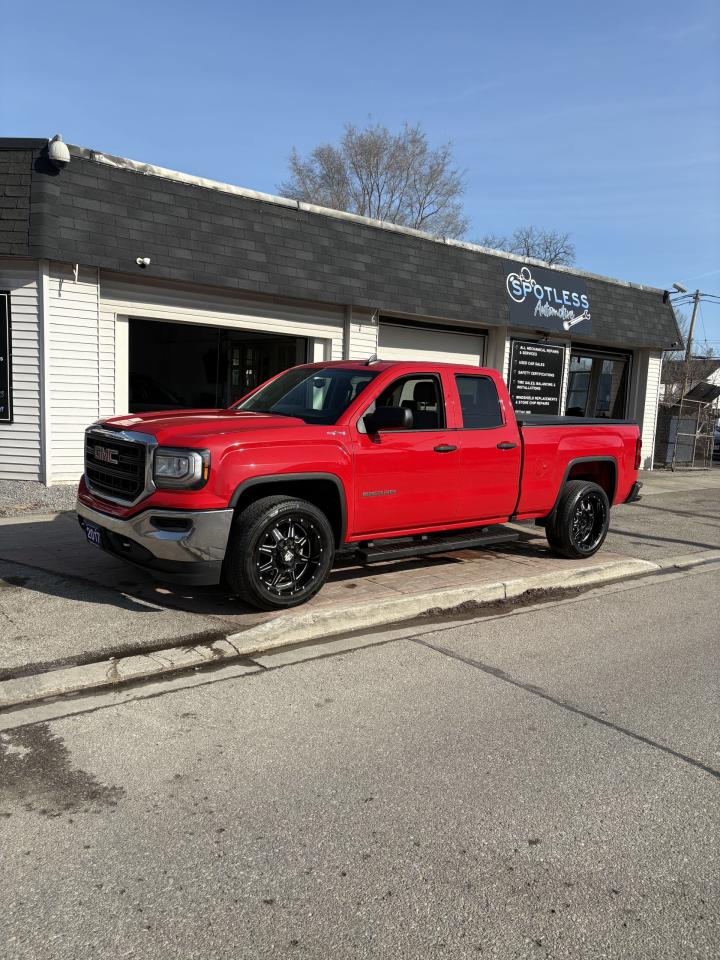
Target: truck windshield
<point>315,395</point>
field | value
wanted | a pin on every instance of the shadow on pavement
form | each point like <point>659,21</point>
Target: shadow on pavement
<point>52,557</point>
<point>650,537</point>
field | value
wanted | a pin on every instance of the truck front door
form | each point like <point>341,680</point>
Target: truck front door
<point>407,479</point>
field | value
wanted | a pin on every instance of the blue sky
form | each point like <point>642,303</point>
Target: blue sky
<point>599,119</point>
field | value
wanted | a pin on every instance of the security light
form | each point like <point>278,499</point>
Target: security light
<point>58,152</point>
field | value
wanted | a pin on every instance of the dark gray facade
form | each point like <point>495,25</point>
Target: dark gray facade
<point>106,215</point>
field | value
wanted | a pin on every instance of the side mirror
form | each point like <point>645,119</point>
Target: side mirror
<point>388,418</point>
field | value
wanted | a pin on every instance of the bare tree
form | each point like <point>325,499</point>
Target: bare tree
<point>394,177</point>
<point>556,249</point>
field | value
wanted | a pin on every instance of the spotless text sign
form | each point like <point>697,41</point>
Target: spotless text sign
<point>547,299</point>
<point>5,360</point>
<point>536,373</point>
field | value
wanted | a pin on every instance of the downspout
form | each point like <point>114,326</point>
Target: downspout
<point>44,332</point>
<point>347,322</point>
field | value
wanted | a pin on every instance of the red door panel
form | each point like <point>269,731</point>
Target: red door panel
<point>401,482</point>
<point>490,451</point>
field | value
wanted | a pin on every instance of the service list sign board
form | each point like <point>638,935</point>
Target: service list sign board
<point>547,300</point>
<point>5,360</point>
<point>536,373</point>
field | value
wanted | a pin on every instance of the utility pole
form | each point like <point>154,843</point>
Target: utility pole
<point>688,348</point>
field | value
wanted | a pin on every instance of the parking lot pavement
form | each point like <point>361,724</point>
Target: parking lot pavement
<point>542,784</point>
<point>62,602</point>
<point>678,513</point>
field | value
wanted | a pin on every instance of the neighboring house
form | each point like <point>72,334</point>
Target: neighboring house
<point>688,412</point>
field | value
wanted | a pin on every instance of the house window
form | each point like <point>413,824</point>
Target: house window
<point>597,385</point>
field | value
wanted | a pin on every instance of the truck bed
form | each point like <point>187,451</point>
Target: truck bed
<point>555,449</point>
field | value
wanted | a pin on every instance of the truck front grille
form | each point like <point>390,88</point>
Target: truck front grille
<point>115,468</point>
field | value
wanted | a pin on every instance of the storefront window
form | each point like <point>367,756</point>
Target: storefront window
<point>597,386</point>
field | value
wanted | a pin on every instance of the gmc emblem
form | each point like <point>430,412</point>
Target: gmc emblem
<point>105,455</point>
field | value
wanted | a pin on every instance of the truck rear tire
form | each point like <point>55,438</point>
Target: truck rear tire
<point>581,520</point>
<point>279,553</point>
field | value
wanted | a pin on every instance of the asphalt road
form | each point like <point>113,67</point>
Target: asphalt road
<point>542,784</point>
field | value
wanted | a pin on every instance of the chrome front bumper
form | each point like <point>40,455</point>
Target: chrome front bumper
<point>177,545</point>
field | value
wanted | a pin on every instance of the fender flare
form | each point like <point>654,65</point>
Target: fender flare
<point>290,477</point>
<point>575,462</point>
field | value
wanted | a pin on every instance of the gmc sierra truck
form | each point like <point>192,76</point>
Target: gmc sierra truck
<point>384,459</point>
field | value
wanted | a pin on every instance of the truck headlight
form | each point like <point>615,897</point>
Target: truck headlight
<point>181,469</point>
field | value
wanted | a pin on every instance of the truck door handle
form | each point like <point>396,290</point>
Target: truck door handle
<point>506,445</point>
<point>444,448</point>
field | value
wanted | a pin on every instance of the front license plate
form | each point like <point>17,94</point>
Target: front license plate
<point>93,534</point>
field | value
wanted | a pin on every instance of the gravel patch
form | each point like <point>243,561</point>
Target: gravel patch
<point>18,497</point>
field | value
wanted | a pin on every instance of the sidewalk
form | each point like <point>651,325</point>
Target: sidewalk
<point>62,603</point>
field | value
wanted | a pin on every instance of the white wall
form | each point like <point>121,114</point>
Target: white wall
<point>20,441</point>
<point>648,419</point>
<point>78,349</point>
<point>362,333</point>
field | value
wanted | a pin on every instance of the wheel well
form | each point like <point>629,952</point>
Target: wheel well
<point>324,494</point>
<point>601,472</point>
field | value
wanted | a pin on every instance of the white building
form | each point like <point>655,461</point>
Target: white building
<point>130,287</point>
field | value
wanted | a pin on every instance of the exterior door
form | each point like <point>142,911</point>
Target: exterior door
<point>407,479</point>
<point>490,451</point>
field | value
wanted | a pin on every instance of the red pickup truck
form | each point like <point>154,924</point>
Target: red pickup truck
<point>385,459</point>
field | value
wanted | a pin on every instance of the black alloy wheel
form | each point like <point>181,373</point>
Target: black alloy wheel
<point>289,554</point>
<point>588,522</point>
<point>280,552</point>
<point>581,520</point>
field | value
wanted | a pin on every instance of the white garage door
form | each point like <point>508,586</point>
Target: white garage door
<point>417,343</point>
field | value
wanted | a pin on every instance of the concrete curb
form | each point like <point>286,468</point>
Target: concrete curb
<point>319,624</point>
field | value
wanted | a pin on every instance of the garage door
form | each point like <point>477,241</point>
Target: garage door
<point>418,343</point>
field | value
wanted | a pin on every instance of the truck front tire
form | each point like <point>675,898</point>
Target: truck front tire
<point>581,520</point>
<point>279,553</point>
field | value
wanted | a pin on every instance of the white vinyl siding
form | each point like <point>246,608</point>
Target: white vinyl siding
<point>75,348</point>
<point>426,344</point>
<point>363,335</point>
<point>20,441</point>
<point>652,398</point>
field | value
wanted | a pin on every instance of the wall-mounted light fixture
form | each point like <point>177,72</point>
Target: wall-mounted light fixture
<point>143,262</point>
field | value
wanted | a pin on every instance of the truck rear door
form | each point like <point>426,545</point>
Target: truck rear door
<point>490,448</point>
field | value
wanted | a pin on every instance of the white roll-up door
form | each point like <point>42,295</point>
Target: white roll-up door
<point>418,343</point>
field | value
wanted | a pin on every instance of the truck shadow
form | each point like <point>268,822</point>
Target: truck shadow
<point>50,556</point>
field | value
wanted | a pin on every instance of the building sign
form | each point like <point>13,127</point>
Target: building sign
<point>547,300</point>
<point>5,360</point>
<point>536,373</point>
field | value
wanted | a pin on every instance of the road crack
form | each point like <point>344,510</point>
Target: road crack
<point>536,691</point>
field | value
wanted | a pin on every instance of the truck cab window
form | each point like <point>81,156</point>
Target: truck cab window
<point>418,393</point>
<point>479,402</point>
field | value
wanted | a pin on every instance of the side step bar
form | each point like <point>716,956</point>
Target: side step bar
<point>377,551</point>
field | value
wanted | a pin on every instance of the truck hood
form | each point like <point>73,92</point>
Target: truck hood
<point>178,426</point>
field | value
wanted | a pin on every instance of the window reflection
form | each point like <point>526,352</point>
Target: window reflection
<point>597,386</point>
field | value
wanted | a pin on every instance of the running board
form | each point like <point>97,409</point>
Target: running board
<point>377,551</point>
